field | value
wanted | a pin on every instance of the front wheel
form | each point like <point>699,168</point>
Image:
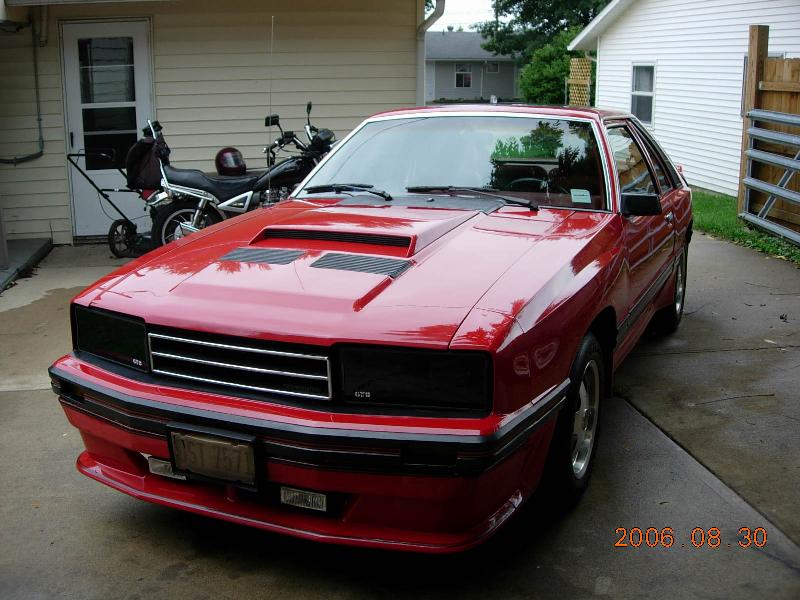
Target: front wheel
<point>168,219</point>
<point>571,457</point>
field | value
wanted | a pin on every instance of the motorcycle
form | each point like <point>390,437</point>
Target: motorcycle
<point>190,200</point>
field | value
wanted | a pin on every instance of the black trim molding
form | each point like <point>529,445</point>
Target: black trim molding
<point>342,449</point>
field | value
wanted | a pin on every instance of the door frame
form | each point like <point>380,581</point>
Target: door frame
<point>151,89</point>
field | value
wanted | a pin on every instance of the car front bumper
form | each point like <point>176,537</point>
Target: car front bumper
<point>405,488</point>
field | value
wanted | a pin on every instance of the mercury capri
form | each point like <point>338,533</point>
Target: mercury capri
<point>401,352</point>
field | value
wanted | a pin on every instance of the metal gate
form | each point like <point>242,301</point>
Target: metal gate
<point>789,165</point>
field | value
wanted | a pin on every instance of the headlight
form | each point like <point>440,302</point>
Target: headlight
<point>426,379</point>
<point>112,336</point>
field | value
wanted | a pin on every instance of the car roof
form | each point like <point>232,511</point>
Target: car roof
<point>597,114</point>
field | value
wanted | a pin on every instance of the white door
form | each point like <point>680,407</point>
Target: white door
<point>109,100</point>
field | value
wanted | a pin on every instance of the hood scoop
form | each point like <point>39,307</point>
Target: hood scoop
<point>268,256</point>
<point>393,267</point>
<point>374,239</point>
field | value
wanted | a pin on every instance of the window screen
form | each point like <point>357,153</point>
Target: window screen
<point>643,92</point>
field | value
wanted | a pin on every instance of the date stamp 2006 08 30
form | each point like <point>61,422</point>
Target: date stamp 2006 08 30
<point>651,537</point>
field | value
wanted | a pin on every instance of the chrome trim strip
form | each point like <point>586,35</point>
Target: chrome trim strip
<point>240,367</point>
<point>241,348</point>
<point>242,386</point>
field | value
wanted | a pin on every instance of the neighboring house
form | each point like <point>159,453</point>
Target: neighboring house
<point>202,68</point>
<point>678,66</point>
<point>457,68</point>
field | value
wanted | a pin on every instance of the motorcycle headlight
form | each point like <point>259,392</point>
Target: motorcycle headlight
<point>115,337</point>
<point>412,378</point>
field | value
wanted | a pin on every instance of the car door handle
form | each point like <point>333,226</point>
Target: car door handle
<point>669,217</point>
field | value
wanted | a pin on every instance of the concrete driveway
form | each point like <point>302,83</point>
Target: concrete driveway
<point>724,389</point>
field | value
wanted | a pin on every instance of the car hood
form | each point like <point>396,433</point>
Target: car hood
<point>454,258</point>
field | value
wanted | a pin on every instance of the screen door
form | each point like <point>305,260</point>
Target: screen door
<point>108,86</point>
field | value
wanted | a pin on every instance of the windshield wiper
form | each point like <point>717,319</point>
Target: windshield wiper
<point>338,188</point>
<point>488,192</point>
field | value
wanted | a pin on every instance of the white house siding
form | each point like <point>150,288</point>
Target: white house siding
<point>352,58</point>
<point>698,48</point>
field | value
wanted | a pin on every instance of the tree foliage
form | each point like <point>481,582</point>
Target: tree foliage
<point>526,25</point>
<point>541,81</point>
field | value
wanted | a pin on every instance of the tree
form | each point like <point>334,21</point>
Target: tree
<point>541,81</point>
<point>532,24</point>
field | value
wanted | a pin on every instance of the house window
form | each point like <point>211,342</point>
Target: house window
<point>463,75</point>
<point>642,92</point>
<point>492,67</point>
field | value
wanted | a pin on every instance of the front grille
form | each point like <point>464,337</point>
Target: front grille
<point>243,364</point>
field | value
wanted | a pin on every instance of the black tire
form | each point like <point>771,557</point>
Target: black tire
<point>122,239</point>
<point>167,218</point>
<point>667,319</point>
<point>571,457</point>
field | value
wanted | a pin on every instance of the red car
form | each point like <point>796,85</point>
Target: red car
<point>398,354</point>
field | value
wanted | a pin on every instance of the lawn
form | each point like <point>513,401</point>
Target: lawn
<point>715,214</point>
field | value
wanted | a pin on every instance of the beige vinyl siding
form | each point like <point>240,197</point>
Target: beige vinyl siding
<point>33,195</point>
<point>698,50</point>
<point>212,68</point>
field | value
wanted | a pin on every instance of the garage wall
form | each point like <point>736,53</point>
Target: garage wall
<point>698,50</point>
<point>212,68</point>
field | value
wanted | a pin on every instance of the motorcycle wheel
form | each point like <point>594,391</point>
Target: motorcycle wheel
<point>122,239</point>
<point>169,217</point>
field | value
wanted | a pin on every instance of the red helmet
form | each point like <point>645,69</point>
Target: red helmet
<point>229,161</point>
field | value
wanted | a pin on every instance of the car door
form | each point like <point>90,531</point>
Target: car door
<point>649,240</point>
<point>675,195</point>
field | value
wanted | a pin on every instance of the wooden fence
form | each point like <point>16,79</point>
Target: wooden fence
<point>771,103</point>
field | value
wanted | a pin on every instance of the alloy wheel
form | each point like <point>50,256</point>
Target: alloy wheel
<point>584,428</point>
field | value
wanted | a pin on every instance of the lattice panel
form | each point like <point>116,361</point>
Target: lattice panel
<point>580,81</point>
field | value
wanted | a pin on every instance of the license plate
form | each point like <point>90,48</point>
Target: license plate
<point>216,457</point>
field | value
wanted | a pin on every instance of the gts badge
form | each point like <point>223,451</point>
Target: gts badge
<point>363,395</point>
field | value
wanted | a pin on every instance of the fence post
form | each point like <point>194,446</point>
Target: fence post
<point>757,53</point>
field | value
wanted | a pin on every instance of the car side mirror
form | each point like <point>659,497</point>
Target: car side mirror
<point>272,121</point>
<point>640,205</point>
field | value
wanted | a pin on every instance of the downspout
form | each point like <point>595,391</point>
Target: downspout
<point>438,9</point>
<point>28,157</point>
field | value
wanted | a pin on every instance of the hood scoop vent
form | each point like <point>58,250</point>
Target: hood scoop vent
<point>393,267</point>
<point>375,239</point>
<point>263,256</point>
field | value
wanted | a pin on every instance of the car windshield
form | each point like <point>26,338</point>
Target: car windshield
<point>546,161</point>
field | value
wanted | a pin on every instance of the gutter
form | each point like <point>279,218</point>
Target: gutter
<point>438,10</point>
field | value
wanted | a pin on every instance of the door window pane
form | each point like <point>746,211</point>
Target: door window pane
<point>106,66</point>
<point>111,131</point>
<point>109,119</point>
<point>113,144</point>
<point>634,176</point>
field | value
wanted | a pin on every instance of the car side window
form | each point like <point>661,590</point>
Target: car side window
<point>634,174</point>
<point>665,172</point>
<point>664,181</point>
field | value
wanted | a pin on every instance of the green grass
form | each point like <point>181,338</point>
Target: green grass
<point>715,214</point>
